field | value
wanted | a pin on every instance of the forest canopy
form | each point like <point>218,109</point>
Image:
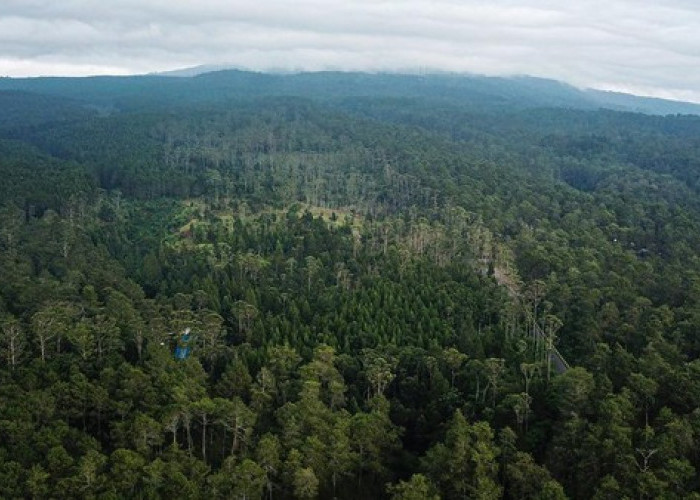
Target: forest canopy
<point>345,286</point>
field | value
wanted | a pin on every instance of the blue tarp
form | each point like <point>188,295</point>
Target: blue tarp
<point>182,351</point>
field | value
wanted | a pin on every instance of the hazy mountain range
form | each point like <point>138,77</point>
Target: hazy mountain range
<point>215,85</point>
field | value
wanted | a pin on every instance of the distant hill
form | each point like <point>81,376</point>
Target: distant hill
<point>649,105</point>
<point>190,72</point>
<point>20,108</point>
<point>199,85</point>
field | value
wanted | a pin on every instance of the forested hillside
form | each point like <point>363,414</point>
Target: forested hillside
<point>333,293</point>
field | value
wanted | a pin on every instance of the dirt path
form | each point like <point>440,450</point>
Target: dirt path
<point>504,279</point>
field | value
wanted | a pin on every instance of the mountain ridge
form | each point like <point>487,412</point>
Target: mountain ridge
<point>213,84</point>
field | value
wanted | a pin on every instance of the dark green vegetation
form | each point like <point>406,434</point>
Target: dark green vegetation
<point>362,277</point>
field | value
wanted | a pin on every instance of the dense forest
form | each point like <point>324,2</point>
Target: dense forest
<point>345,286</point>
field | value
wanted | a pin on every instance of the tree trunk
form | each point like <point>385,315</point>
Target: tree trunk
<point>204,438</point>
<point>189,435</point>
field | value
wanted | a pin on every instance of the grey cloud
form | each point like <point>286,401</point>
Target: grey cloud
<point>640,46</point>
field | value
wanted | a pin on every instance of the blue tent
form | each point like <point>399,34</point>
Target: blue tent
<point>182,350</point>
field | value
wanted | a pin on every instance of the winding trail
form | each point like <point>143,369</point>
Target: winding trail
<point>559,364</point>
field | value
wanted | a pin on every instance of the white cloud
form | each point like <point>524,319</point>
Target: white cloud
<point>630,45</point>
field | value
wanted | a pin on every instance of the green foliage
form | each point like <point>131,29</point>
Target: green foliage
<point>418,487</point>
<point>374,290</point>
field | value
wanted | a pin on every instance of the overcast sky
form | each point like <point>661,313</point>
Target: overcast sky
<point>644,47</point>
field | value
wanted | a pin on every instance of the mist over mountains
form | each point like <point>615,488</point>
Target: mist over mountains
<point>214,84</point>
